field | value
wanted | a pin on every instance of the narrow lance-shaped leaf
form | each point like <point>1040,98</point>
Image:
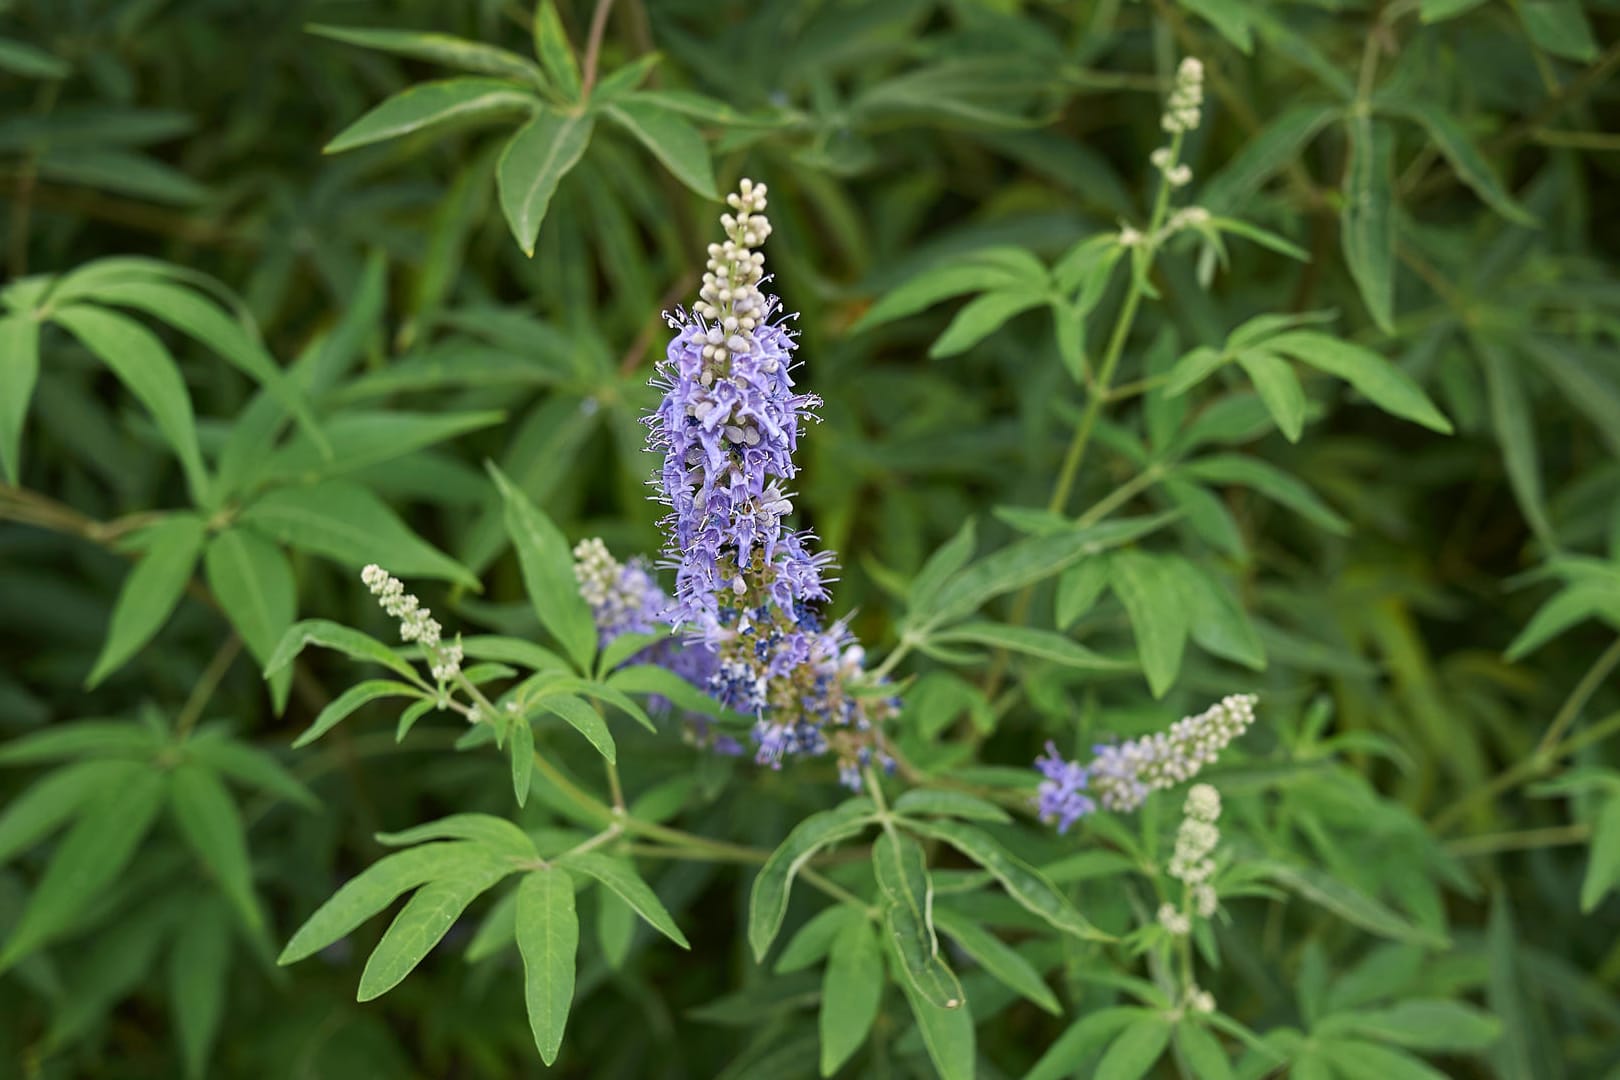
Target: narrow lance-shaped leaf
<point>1367,223</point>
<point>1380,381</point>
<point>442,49</point>
<point>430,104</point>
<point>198,967</point>
<point>534,162</point>
<point>902,877</point>
<point>670,139</point>
<point>851,992</point>
<point>547,931</point>
<point>212,825</point>
<point>50,801</point>
<point>551,46</point>
<point>1147,588</point>
<point>19,370</point>
<point>767,902</point>
<point>151,591</point>
<point>422,922</point>
<point>548,574</point>
<point>623,880</point>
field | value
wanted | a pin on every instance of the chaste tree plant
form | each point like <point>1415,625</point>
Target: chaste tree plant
<point>1108,568</point>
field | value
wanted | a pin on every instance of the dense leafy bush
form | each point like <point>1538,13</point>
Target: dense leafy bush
<point>1252,363</point>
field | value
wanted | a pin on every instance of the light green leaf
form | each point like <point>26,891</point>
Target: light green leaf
<point>122,172</point>
<point>151,591</point>
<point>85,738</point>
<point>619,876</point>
<point>548,574</point>
<point>1202,1051</point>
<point>1355,1060</point>
<point>978,271</point>
<point>1042,644</point>
<point>1279,388</point>
<point>1576,603</point>
<point>1230,17</point>
<point>1433,11</point>
<point>671,139</point>
<point>38,810</point>
<point>199,965</point>
<point>253,583</point>
<point>615,928</point>
<point>422,923</point>
<point>998,958</point>
<point>908,914</point>
<point>814,939</point>
<point>981,317</point>
<point>1265,478</point>
<point>1078,590</point>
<point>1378,380</point>
<point>497,835</point>
<point>442,49</point>
<point>346,522</point>
<point>1270,151</point>
<point>1347,902</point>
<point>1146,586</point>
<point>147,370</point>
<point>520,748</point>
<point>534,161</point>
<point>942,565</point>
<point>19,370</point>
<point>767,903</point>
<point>210,822</point>
<point>1432,1025</point>
<point>1603,861</point>
<point>335,636</point>
<point>851,992</point>
<point>548,937</point>
<point>583,718</point>
<point>1133,1052</point>
<point>89,859</point>
<point>341,707</point>
<point>383,882</point>
<point>942,803</point>
<point>551,46</point>
<point>947,1034</point>
<point>1219,624</point>
<point>1081,1041</point>
<point>650,679</point>
<point>431,104</point>
<point>1025,884</point>
<point>1367,222</point>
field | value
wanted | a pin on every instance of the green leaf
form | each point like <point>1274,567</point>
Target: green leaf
<point>583,718</point>
<point>978,271</point>
<point>1147,587</point>
<point>192,315</point>
<point>1278,388</point>
<point>534,161</point>
<point>147,370</point>
<point>335,636</point>
<point>942,565</point>
<point>768,900</point>
<point>815,938</point>
<point>981,317</point>
<point>1560,27</point>
<point>671,139</point>
<point>1575,604</point>
<point>21,58</point>
<point>97,739</point>
<point>908,914</point>
<point>1042,644</point>
<point>19,370</point>
<point>383,882</point>
<point>442,49</point>
<point>1367,222</point>
<point>1270,151</point>
<point>497,835</point>
<point>424,920</point>
<point>1133,1052</point>
<point>1230,17</point>
<point>615,928</point>
<point>1202,1051</point>
<point>513,651</point>
<point>1434,11</point>
<point>1027,561</point>
<point>937,802</point>
<point>431,104</point>
<point>1265,478</point>
<point>650,679</point>
<point>254,584</point>
<point>1078,590</point>
<point>548,574</point>
<point>998,958</point>
<point>551,46</point>
<point>1368,1061</point>
<point>619,876</point>
<point>39,809</point>
<point>1378,380</point>
<point>122,172</point>
<point>851,992</point>
<point>1516,434</point>
<point>199,965</point>
<point>1471,168</point>
<point>151,591</point>
<point>1431,1025</point>
<point>209,821</point>
<point>1081,1041</point>
<point>627,646</point>
<point>1345,901</point>
<point>548,938</point>
<point>1220,626</point>
<point>947,1034</point>
<point>251,766</point>
<point>1603,862</point>
<point>346,522</point>
<point>1025,884</point>
<point>87,861</point>
<point>341,707</point>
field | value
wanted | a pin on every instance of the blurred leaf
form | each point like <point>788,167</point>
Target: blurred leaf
<point>850,993</point>
<point>551,46</point>
<point>151,591</point>
<point>1022,881</point>
<point>1379,381</point>
<point>1146,586</point>
<point>19,370</point>
<point>208,819</point>
<point>1367,223</point>
<point>670,139</point>
<point>199,965</point>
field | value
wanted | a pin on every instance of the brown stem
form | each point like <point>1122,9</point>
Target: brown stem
<point>593,46</point>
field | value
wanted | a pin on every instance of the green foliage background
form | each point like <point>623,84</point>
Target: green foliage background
<point>1423,827</point>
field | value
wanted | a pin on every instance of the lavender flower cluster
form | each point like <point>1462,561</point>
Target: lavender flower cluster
<point>1120,777</point>
<point>748,587</point>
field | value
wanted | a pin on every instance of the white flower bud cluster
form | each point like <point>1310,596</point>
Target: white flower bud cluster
<point>731,299</point>
<point>416,623</point>
<point>1188,217</point>
<point>1174,922</point>
<point>1184,110</point>
<point>1196,840</point>
<point>1176,175</point>
<point>1124,775</point>
<point>596,570</point>
<point>1200,1001</point>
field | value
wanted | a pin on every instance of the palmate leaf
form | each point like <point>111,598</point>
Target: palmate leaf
<point>331,635</point>
<point>423,922</point>
<point>1380,381</point>
<point>341,707</point>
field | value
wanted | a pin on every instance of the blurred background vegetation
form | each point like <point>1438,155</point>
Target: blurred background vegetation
<point>894,135</point>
